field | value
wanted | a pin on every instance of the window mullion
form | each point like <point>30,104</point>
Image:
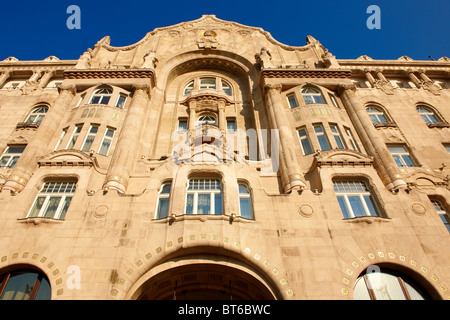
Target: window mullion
<point>349,207</point>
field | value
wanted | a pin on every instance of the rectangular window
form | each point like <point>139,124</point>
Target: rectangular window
<point>63,134</point>
<point>107,141</point>
<point>231,125</point>
<point>321,137</point>
<point>292,101</point>
<point>304,141</point>
<point>351,139</point>
<point>162,210</point>
<point>443,214</point>
<point>355,199</point>
<point>11,155</point>
<point>401,156</point>
<point>204,196</point>
<point>90,137</point>
<point>75,134</point>
<point>121,101</point>
<point>447,147</point>
<point>337,136</point>
<point>53,200</point>
<point>333,100</point>
<point>182,125</point>
<point>208,83</point>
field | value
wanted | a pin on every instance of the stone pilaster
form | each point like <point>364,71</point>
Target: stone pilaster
<point>127,146</point>
<point>46,78</point>
<point>375,146</point>
<point>288,159</point>
<point>39,145</point>
<point>222,119</point>
<point>4,77</point>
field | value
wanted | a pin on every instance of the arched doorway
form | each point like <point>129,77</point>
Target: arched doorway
<point>204,282</point>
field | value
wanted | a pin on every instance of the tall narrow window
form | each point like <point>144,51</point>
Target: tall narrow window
<point>304,141</point>
<point>11,155</point>
<point>355,199</point>
<point>231,125</point>
<point>189,87</point>
<point>182,125</point>
<point>333,100</point>
<point>428,115</point>
<point>37,115</point>
<point>245,202</point>
<point>53,200</point>
<point>162,208</point>
<point>208,83</point>
<point>226,87</point>
<point>312,95</point>
<point>292,101</point>
<point>443,214</point>
<point>75,134</point>
<point>107,141</point>
<point>377,115</point>
<point>90,137</point>
<point>337,136</point>
<point>101,96</point>
<point>63,134</point>
<point>321,137</point>
<point>351,139</point>
<point>204,196</point>
<point>121,101</point>
<point>401,156</point>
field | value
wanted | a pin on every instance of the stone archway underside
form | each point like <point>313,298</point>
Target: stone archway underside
<point>204,282</point>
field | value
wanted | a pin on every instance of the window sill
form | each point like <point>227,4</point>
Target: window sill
<point>439,125</point>
<point>22,125</point>
<point>203,218</point>
<point>39,220</point>
<point>367,219</point>
<point>386,125</point>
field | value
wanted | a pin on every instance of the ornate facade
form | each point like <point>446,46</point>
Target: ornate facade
<point>209,160</point>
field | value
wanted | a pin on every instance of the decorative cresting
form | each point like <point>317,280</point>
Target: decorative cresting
<point>127,145</point>
<point>291,172</point>
<point>28,161</point>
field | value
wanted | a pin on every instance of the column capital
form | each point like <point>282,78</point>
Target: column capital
<point>70,88</point>
<point>346,88</point>
<point>141,87</point>
<point>273,86</point>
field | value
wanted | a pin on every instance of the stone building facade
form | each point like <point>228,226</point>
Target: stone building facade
<point>209,160</point>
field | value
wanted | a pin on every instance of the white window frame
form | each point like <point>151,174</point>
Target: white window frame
<point>188,88</point>
<point>336,132</point>
<point>162,195</point>
<point>74,136</point>
<point>442,213</point>
<point>322,133</point>
<point>401,155</point>
<point>232,130</point>
<point>201,120</point>
<point>305,138</point>
<point>377,112</point>
<point>47,193</point>
<point>333,100</point>
<point>105,137</point>
<point>226,88</point>
<point>125,97</point>
<point>247,195</point>
<point>208,85</point>
<point>210,192</point>
<point>12,156</point>
<point>180,129</point>
<point>38,115</point>
<point>63,134</point>
<point>288,97</point>
<point>313,94</point>
<point>351,138</point>
<point>361,194</point>
<point>93,130</point>
<point>102,95</point>
<point>428,115</point>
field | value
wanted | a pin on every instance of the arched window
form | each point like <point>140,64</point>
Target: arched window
<point>204,196</point>
<point>428,115</point>
<point>101,96</point>
<point>206,120</point>
<point>384,284</point>
<point>245,202</point>
<point>377,115</point>
<point>162,207</point>
<point>37,115</point>
<point>312,95</point>
<point>226,87</point>
<point>24,284</point>
<point>188,88</point>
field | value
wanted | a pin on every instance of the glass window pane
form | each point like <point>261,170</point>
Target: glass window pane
<point>204,204</point>
<point>385,286</point>
<point>218,203</point>
<point>245,206</point>
<point>371,206</point>
<point>243,189</point>
<point>339,142</point>
<point>357,206</point>
<point>307,148</point>
<point>37,207</point>
<point>65,206</point>
<point>52,206</point>
<point>343,206</point>
<point>163,208</point>
<point>407,160</point>
<point>323,143</point>
<point>361,292</point>
<point>19,286</point>
<point>44,292</point>
<point>398,160</point>
<point>88,143</point>
<point>189,204</point>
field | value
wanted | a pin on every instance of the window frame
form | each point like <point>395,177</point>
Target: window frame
<point>4,279</point>
<point>351,138</point>
<point>122,105</point>
<point>294,99</point>
<point>202,86</point>
<point>304,138</point>
<point>212,196</point>
<point>441,212</point>
<point>200,123</point>
<point>316,93</point>
<point>14,155</point>
<point>74,137</point>
<point>375,112</point>
<point>163,196</point>
<point>247,195</point>
<point>360,194</point>
<point>101,96</point>
<point>400,156</point>
<point>340,142</point>
<point>107,138</point>
<point>427,113</point>
<point>89,134</point>
<point>59,213</point>
<point>320,134</point>
<point>38,116</point>
<point>187,88</point>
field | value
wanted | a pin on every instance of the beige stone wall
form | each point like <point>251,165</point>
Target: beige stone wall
<point>298,246</point>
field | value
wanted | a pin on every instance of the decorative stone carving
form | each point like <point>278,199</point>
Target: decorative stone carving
<point>150,60</point>
<point>11,59</point>
<point>418,209</point>
<point>84,61</point>
<point>264,59</point>
<point>329,59</point>
<point>207,40</point>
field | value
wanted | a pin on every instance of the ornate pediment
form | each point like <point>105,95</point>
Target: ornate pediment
<point>341,158</point>
<point>67,158</point>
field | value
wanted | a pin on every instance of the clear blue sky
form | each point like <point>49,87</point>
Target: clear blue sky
<point>34,30</point>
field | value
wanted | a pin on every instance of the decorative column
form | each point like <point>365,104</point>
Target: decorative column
<point>222,121</point>
<point>414,78</point>
<point>288,158</point>
<point>4,76</point>
<point>429,84</point>
<point>370,77</point>
<point>46,78</point>
<point>192,106</point>
<point>127,146</point>
<point>39,145</point>
<point>376,147</point>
